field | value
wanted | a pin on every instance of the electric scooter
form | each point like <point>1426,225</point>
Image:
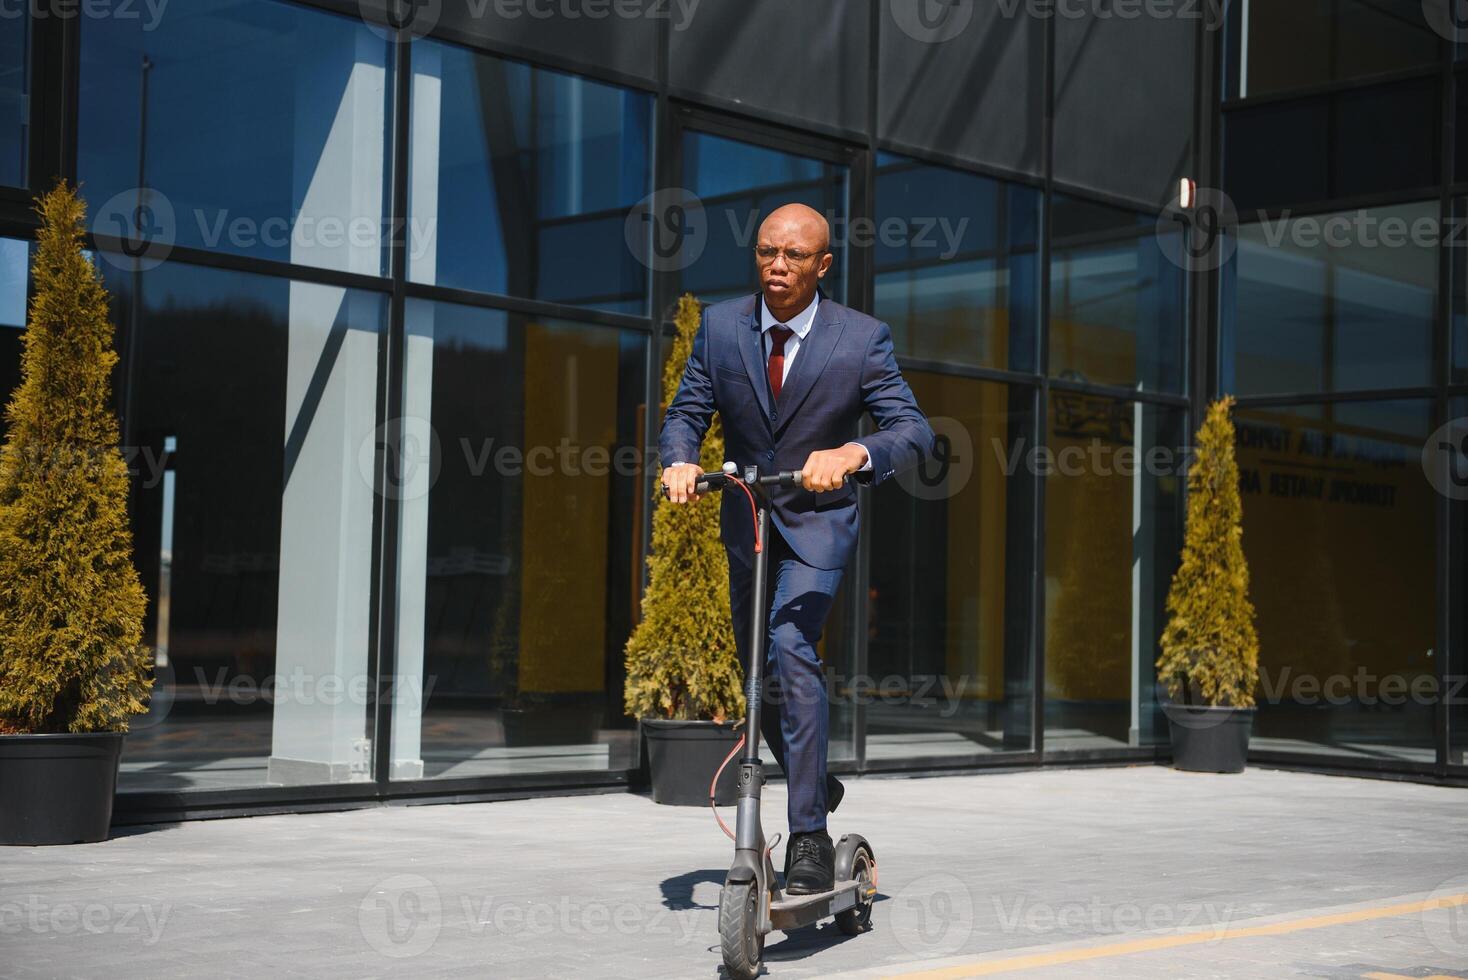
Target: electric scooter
<point>752,904</point>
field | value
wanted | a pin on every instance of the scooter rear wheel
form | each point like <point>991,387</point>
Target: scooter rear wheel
<point>858,918</point>
<point>739,934</point>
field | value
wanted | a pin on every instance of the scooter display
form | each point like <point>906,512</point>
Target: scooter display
<point>752,903</point>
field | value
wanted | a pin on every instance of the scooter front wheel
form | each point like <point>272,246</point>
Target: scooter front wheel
<point>739,934</point>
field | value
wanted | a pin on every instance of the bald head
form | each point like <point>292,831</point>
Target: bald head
<point>793,252</point>
<point>799,221</point>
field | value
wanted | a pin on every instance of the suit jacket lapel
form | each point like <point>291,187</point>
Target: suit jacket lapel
<point>752,351</point>
<point>810,360</point>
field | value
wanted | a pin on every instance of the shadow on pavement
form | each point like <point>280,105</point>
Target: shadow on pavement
<point>678,890</point>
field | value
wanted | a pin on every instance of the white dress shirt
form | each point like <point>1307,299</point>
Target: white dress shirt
<point>801,323</point>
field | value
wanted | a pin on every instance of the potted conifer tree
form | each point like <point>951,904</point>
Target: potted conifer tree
<point>72,665</point>
<point>683,674</point>
<point>1210,651</point>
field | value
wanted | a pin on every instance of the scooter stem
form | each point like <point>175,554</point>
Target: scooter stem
<point>749,835</point>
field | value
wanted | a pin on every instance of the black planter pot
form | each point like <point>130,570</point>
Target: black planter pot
<point>1209,739</point>
<point>57,789</point>
<point>683,756</point>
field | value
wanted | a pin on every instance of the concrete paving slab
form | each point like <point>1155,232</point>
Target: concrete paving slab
<point>1116,872</point>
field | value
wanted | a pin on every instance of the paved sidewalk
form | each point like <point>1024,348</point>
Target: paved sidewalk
<point>1140,872</point>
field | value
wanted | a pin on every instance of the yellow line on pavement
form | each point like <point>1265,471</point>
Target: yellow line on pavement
<point>984,968</point>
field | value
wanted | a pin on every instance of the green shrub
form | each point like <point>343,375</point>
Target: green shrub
<point>1210,651</point>
<point>681,659</point>
<point>71,605</point>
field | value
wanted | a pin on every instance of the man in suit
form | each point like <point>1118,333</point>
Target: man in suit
<point>790,372</point>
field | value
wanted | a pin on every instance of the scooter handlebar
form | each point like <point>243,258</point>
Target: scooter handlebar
<point>785,478</point>
<point>710,482</point>
<point>707,483</point>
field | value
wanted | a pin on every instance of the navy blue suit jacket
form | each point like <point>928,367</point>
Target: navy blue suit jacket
<point>844,367</point>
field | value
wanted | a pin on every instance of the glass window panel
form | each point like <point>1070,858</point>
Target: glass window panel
<point>521,518</point>
<point>1459,364</point>
<point>1115,477</point>
<point>738,184</point>
<point>1329,146</point>
<point>1277,153</point>
<point>948,615</point>
<point>15,86</point>
<point>1452,453</point>
<point>522,178</point>
<point>1461,156</point>
<point>1364,163</point>
<point>1277,47</point>
<point>14,280</point>
<point>252,523</point>
<point>957,267</point>
<point>1116,298</point>
<point>1333,302</point>
<point>1339,535</point>
<point>264,136</point>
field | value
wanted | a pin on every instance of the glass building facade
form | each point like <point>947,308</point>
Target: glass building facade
<point>392,313</point>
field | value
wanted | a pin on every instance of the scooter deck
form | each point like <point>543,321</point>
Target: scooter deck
<point>794,911</point>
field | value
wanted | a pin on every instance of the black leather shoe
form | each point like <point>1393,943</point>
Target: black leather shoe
<point>834,792</point>
<point>811,860</point>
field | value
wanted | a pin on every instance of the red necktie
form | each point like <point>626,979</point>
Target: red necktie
<point>778,336</point>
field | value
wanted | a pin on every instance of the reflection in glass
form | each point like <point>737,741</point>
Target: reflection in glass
<point>14,277</point>
<point>1277,47</point>
<point>522,178</point>
<point>739,184</point>
<point>1116,298</point>
<point>252,523</point>
<point>520,523</point>
<point>1333,302</point>
<point>1339,534</point>
<point>948,647</point>
<point>265,132</point>
<point>15,107</point>
<point>957,272</point>
<point>1113,538</point>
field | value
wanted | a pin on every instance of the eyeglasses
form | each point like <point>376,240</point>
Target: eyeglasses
<point>765,254</point>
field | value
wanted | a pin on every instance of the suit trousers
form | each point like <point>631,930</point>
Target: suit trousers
<point>794,712</point>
